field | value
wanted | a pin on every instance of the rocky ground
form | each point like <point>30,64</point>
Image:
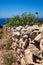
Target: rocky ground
<point>24,44</point>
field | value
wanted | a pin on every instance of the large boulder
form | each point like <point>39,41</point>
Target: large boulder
<point>33,34</point>
<point>28,56</point>
<point>38,38</point>
<point>34,50</point>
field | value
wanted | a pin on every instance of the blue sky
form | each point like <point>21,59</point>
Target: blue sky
<point>10,8</point>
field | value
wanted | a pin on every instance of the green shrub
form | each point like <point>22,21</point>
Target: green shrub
<point>9,63</point>
<point>9,59</point>
<point>1,32</point>
<point>24,19</point>
<point>9,43</point>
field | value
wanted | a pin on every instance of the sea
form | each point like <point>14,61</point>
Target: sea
<point>2,21</point>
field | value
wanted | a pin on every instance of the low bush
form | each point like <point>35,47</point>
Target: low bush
<point>9,43</point>
<point>9,59</point>
<point>1,33</point>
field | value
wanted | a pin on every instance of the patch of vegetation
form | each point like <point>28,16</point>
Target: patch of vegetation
<point>1,32</point>
<point>24,19</point>
<point>9,59</point>
<point>9,43</point>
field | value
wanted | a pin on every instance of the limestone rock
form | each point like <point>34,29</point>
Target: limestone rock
<point>38,38</point>
<point>1,58</point>
<point>41,44</point>
<point>16,33</point>
<point>19,28</point>
<point>25,43</point>
<point>14,39</point>
<point>33,34</point>
<point>28,56</point>
<point>20,42</point>
<point>29,29</point>
<point>18,51</point>
<point>41,29</point>
<point>15,63</point>
<point>23,62</point>
<point>35,27</point>
<point>14,45</point>
<point>25,36</point>
<point>26,26</point>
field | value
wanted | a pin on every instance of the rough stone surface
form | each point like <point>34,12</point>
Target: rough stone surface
<point>23,62</point>
<point>38,38</point>
<point>27,44</point>
<point>41,44</point>
<point>28,56</point>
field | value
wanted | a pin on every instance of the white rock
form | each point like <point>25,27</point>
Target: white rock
<point>23,31</point>
<point>14,39</point>
<point>26,26</point>
<point>20,42</point>
<point>23,62</point>
<point>18,51</point>
<point>41,44</point>
<point>19,28</point>
<point>38,38</point>
<point>41,29</point>
<point>12,29</point>
<point>14,44</point>
<point>29,28</point>
<point>28,56</point>
<point>25,36</point>
<point>35,27</point>
<point>16,33</point>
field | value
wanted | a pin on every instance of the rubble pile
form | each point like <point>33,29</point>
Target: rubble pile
<point>27,44</point>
